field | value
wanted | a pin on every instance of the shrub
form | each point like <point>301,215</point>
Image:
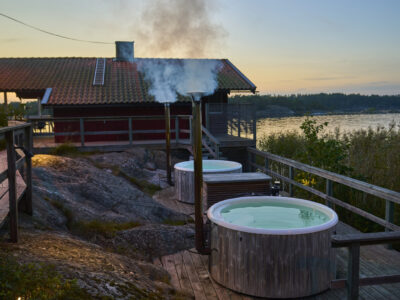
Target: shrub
<point>64,149</point>
<point>104,228</point>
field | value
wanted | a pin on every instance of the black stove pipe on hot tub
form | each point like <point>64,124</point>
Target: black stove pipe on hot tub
<point>198,174</point>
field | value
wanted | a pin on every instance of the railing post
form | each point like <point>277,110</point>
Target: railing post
<point>291,176</point>
<point>82,131</point>
<point>12,192</point>
<point>239,121</point>
<point>266,164</point>
<point>329,192</point>
<point>177,129</point>
<point>249,161</point>
<point>254,125</point>
<point>389,217</point>
<point>28,175</point>
<point>190,131</point>
<point>217,150</point>
<point>130,131</point>
<point>353,271</point>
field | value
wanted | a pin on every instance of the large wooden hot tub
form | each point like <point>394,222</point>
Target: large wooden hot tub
<point>274,247</point>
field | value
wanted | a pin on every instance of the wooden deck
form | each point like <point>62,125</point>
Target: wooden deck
<point>189,270</point>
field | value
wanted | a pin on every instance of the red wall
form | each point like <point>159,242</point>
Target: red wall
<point>131,110</point>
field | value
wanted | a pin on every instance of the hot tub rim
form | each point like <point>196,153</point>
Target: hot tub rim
<point>217,207</point>
<point>238,166</point>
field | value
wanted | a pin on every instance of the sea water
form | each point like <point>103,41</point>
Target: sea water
<point>273,215</point>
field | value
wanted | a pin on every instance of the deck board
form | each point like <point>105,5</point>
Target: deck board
<point>191,269</point>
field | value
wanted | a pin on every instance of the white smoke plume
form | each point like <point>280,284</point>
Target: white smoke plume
<point>170,77</point>
<point>179,28</point>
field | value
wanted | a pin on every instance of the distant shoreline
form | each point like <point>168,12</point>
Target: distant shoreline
<point>283,112</point>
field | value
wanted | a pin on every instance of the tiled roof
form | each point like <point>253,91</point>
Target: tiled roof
<point>71,80</point>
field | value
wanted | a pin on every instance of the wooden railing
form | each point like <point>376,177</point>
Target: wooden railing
<point>44,126</point>
<point>390,196</point>
<point>18,141</point>
<point>352,241</point>
<point>210,142</point>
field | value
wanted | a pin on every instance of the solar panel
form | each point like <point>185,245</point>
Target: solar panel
<point>99,71</point>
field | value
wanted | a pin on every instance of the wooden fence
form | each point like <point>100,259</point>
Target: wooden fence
<point>354,241</point>
<point>18,142</point>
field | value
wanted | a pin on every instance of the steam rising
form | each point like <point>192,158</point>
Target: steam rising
<point>184,28</point>
<point>170,77</point>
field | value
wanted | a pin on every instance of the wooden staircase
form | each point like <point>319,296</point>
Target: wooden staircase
<point>210,147</point>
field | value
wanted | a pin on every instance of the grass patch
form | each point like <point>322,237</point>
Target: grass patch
<point>66,211</point>
<point>176,222</point>
<point>36,281</point>
<point>64,149</point>
<point>97,227</point>
<point>143,185</point>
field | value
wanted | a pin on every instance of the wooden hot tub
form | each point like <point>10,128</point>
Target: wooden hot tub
<point>274,247</point>
<point>184,175</point>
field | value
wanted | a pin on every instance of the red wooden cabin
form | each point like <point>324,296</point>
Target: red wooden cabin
<point>103,87</point>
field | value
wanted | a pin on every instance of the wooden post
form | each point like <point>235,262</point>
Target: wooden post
<point>28,175</point>
<point>5,103</point>
<point>266,164</point>
<point>238,121</point>
<point>389,217</point>
<point>12,192</point>
<point>177,129</point>
<point>249,158</point>
<point>254,125</point>
<point>291,176</point>
<point>82,131</point>
<point>329,192</point>
<point>130,131</point>
<point>167,114</point>
<point>190,131</point>
<point>353,271</point>
<point>39,107</point>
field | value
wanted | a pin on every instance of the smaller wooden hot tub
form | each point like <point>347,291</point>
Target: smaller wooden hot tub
<point>273,247</point>
<point>184,175</point>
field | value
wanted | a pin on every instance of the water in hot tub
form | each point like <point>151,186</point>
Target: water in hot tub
<point>210,165</point>
<point>270,215</point>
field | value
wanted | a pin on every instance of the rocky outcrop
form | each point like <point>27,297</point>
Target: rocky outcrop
<point>95,219</point>
<point>101,273</point>
<point>90,192</point>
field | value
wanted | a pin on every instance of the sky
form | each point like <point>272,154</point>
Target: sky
<point>282,46</point>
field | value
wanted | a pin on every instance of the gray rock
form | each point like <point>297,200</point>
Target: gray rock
<point>157,240</point>
<point>88,193</point>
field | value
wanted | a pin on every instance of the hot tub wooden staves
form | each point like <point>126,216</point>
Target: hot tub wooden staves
<point>272,266</point>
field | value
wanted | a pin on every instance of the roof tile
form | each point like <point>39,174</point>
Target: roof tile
<point>71,80</point>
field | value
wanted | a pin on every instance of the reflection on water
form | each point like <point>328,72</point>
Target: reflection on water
<point>346,123</point>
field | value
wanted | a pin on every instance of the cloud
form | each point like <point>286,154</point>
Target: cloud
<point>325,78</point>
